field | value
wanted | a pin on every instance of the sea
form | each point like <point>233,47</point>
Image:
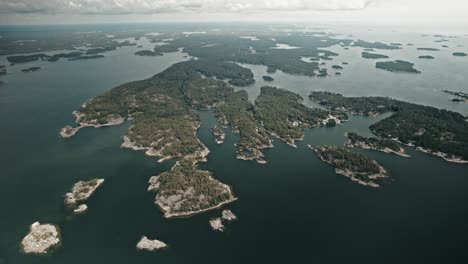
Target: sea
<point>294,209</point>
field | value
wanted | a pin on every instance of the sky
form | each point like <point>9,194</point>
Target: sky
<point>398,12</point>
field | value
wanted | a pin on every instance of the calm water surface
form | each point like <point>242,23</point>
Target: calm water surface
<point>293,209</point>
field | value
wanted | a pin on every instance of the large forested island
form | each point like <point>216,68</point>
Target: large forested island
<point>439,132</point>
<point>397,66</point>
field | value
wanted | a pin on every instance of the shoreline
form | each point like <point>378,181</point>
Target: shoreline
<point>192,213</point>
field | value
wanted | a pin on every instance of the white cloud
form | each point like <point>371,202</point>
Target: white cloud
<point>164,6</point>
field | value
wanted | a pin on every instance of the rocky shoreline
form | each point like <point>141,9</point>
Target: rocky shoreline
<point>150,245</point>
<point>365,145</point>
<point>219,135</point>
<point>69,131</point>
<point>41,239</point>
<point>80,192</point>
<point>218,223</point>
<point>342,160</point>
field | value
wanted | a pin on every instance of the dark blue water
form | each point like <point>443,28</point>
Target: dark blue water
<point>294,209</point>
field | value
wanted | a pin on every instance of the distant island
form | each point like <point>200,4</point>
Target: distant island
<point>268,78</point>
<point>397,66</point>
<point>427,57</point>
<point>358,167</point>
<point>459,54</point>
<point>428,49</point>
<point>148,53</point>
<point>31,69</point>
<point>368,55</point>
<point>87,57</point>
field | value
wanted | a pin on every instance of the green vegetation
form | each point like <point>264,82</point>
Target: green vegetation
<point>282,113</point>
<point>356,166</point>
<point>428,49</point>
<point>87,57</point>
<point>167,48</point>
<point>147,53</point>
<point>26,58</point>
<point>459,54</point>
<point>432,129</point>
<point>428,57</point>
<point>368,55</point>
<point>31,69</point>
<point>205,93</point>
<point>186,190</point>
<point>337,67</point>
<point>268,78</point>
<point>373,45</point>
<point>397,66</point>
<point>380,144</point>
<point>237,111</point>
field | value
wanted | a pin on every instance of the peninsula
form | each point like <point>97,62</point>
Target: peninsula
<point>379,144</point>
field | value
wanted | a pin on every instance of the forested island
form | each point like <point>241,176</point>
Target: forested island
<point>428,49</point>
<point>368,55</point>
<point>186,190</point>
<point>397,66</point>
<point>436,131</point>
<point>358,167</point>
<point>31,69</point>
<point>459,54</point>
<point>268,78</point>
<point>428,57</point>
<point>379,144</point>
<point>148,53</point>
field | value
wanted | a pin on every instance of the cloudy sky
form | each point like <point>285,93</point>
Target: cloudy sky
<point>112,11</point>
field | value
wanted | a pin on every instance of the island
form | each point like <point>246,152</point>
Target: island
<point>150,245</point>
<point>337,67</point>
<point>435,131</point>
<point>219,134</point>
<point>379,144</point>
<point>358,167</point>
<point>428,49</point>
<point>459,54</point>
<point>186,190</point>
<point>374,45</point>
<point>3,71</point>
<point>148,53</point>
<point>459,94</point>
<point>166,48</point>
<point>87,57</point>
<point>228,215</point>
<point>41,239</point>
<point>217,224</point>
<point>427,57</point>
<point>283,115</point>
<point>80,192</point>
<point>31,69</point>
<point>368,55</point>
<point>268,78</point>
<point>397,66</point>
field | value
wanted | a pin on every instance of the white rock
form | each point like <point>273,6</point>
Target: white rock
<point>217,224</point>
<point>40,238</point>
<point>150,245</point>
<point>228,215</point>
<point>80,209</point>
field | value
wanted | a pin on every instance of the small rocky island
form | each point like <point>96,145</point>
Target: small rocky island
<point>218,223</point>
<point>40,239</point>
<point>186,190</point>
<point>379,144</point>
<point>150,245</point>
<point>81,192</point>
<point>268,78</point>
<point>397,66</point>
<point>219,134</point>
<point>358,167</point>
